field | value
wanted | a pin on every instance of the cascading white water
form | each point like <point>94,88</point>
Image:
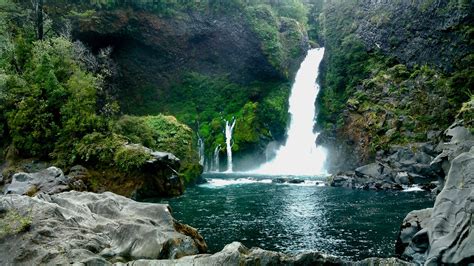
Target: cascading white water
<point>215,167</point>
<point>300,155</point>
<point>229,128</point>
<point>201,150</point>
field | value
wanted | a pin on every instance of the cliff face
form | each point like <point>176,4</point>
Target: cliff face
<point>395,73</point>
<point>436,33</point>
<point>156,51</point>
<point>202,66</point>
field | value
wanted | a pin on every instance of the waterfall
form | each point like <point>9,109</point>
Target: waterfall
<point>300,155</point>
<point>229,128</point>
<point>201,150</point>
<point>216,162</point>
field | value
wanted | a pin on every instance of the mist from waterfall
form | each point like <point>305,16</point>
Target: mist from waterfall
<point>300,155</point>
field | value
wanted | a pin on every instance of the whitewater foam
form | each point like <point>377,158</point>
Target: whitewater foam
<point>220,182</point>
<point>412,188</point>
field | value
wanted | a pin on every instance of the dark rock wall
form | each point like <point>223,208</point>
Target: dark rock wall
<point>418,32</point>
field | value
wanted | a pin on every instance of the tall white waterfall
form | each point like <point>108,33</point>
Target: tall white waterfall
<point>300,155</point>
<point>215,166</point>
<point>229,129</point>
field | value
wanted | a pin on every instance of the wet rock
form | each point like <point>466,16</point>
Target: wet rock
<point>237,254</point>
<point>380,262</point>
<point>76,176</point>
<point>402,178</point>
<point>415,159</point>
<point>361,181</point>
<point>84,227</point>
<point>283,180</point>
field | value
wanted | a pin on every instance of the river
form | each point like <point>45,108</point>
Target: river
<point>291,218</point>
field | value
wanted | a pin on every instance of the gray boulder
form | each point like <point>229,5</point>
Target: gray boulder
<point>374,170</point>
<point>450,232</point>
<point>415,159</point>
<point>412,240</point>
<point>374,176</point>
<point>446,235</point>
<point>49,181</point>
<point>237,254</point>
<point>84,227</point>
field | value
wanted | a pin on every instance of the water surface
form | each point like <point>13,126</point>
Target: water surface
<point>296,217</point>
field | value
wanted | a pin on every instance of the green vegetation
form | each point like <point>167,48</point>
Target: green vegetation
<point>203,102</point>
<point>56,106</point>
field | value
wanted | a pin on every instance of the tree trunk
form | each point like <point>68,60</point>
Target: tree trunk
<point>39,19</point>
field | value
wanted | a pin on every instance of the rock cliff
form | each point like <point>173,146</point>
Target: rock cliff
<point>396,74</point>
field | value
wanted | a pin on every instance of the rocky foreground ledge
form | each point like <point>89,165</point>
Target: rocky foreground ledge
<point>84,227</point>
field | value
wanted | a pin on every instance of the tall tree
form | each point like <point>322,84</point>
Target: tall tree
<point>39,18</point>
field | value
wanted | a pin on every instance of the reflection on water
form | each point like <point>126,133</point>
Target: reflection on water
<point>296,217</point>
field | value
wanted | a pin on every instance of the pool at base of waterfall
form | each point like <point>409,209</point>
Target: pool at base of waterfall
<point>294,214</point>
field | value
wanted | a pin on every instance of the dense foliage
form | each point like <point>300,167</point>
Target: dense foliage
<point>56,105</point>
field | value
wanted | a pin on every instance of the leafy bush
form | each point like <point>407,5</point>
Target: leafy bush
<point>129,158</point>
<point>172,136</point>
<point>136,130</point>
<point>98,148</point>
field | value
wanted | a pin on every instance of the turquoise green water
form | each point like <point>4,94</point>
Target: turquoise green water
<point>291,218</point>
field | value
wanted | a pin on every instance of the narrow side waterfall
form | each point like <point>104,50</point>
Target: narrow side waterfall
<point>216,163</point>
<point>201,150</point>
<point>300,155</point>
<point>229,128</point>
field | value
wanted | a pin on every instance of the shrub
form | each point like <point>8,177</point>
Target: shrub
<point>129,158</point>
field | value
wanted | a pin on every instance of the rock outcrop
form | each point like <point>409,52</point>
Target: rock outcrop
<point>158,177</point>
<point>380,176</point>
<point>444,234</point>
<point>84,227</point>
<point>50,181</point>
<point>419,163</point>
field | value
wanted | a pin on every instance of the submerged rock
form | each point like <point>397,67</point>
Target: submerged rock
<point>84,227</point>
<point>444,235</point>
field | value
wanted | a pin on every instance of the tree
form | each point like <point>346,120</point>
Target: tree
<point>39,18</point>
